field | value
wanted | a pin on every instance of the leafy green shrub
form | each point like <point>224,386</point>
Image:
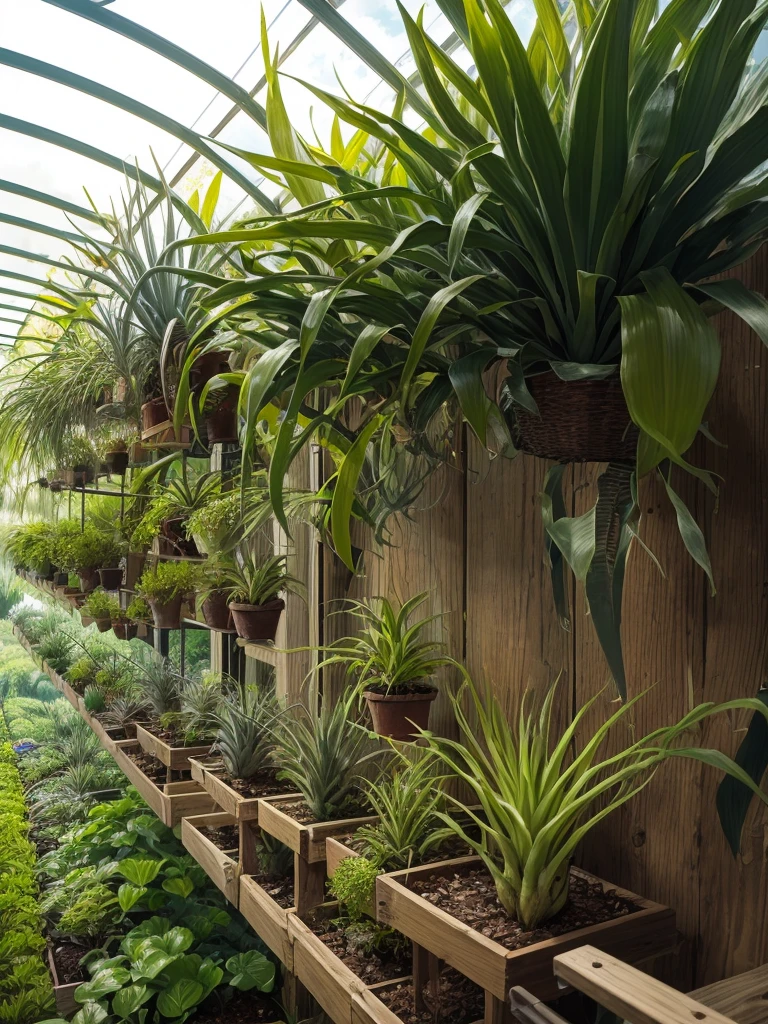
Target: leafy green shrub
<point>168,580</point>
<point>91,549</point>
<point>138,610</point>
<point>57,650</point>
<point>354,886</point>
<point>25,987</point>
<point>30,546</point>
<point>101,605</point>
<point>254,582</point>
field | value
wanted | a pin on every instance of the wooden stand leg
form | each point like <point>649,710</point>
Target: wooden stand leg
<point>249,844</point>
<point>496,1010</point>
<point>426,975</point>
<point>297,1001</point>
<point>308,884</point>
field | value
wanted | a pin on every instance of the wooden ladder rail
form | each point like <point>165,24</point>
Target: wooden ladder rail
<point>629,993</point>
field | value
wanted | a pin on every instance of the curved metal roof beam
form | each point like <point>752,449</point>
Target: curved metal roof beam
<point>12,59</point>
<point>158,44</point>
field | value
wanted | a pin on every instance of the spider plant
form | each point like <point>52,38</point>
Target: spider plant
<point>544,251</point>
<point>540,796</point>
<point>254,582</point>
<point>325,757</point>
<point>408,802</point>
<point>245,725</point>
<point>389,653</point>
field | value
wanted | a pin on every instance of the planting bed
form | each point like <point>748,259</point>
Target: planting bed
<point>494,954</point>
<point>238,797</point>
<point>212,839</point>
<point>160,744</point>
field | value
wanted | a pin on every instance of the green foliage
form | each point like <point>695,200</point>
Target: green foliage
<point>57,650</point>
<point>252,582</point>
<point>246,722</point>
<point>354,886</point>
<point>408,800</point>
<point>388,651</point>
<point>199,704</point>
<point>168,580</point>
<point>25,988</point>
<point>30,546</point>
<point>91,549</point>
<point>539,802</point>
<point>324,756</point>
<point>101,605</point>
<point>159,686</point>
<point>138,610</point>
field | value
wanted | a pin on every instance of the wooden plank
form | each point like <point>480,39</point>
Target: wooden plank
<point>306,840</point>
<point>64,995</point>
<point>221,867</point>
<point>734,891</point>
<point>630,993</point>
<point>176,758</point>
<point>329,980</point>
<point>366,1008</point>
<point>743,997</point>
<point>336,850</point>
<point>268,919</point>
<point>489,964</point>
<point>527,1009</point>
<point>149,791</point>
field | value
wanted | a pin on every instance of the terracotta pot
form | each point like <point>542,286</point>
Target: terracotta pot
<point>103,625</point>
<point>173,531</point>
<point>399,716</point>
<point>153,413</point>
<point>111,579</point>
<point>221,424</point>
<point>166,614</point>
<point>125,630</point>
<point>257,622</point>
<point>89,580</point>
<point>117,462</point>
<point>216,612</point>
<point>138,453</point>
<point>580,421</point>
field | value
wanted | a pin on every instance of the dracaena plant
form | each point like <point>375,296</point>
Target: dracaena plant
<point>544,250</point>
<point>252,580</point>
<point>541,795</point>
<point>390,653</point>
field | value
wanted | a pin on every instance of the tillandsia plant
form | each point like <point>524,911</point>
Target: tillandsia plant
<point>540,797</point>
<point>389,654</point>
<point>159,685</point>
<point>252,580</point>
<point>325,756</point>
<point>503,237</point>
<point>246,723</point>
<point>199,704</point>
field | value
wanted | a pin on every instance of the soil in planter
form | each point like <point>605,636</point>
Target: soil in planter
<point>277,887</point>
<point>262,784</point>
<point>471,898</point>
<point>459,1001</point>
<point>351,945</point>
<point>401,690</point>
<point>67,957</point>
<point>154,769</point>
<point>170,736</point>
<point>225,837</point>
<point>299,811</point>
<point>446,851</point>
<point>243,1008</point>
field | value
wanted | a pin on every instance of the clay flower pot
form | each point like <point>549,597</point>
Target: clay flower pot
<point>221,424</point>
<point>103,625</point>
<point>216,612</point>
<point>399,716</point>
<point>89,580</point>
<point>111,579</point>
<point>117,462</point>
<point>166,614</point>
<point>257,622</point>
<point>125,630</point>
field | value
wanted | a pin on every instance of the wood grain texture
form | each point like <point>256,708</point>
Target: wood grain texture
<point>743,997</point>
<point>221,866</point>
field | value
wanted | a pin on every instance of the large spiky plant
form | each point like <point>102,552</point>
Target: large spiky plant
<point>540,795</point>
<point>583,192</point>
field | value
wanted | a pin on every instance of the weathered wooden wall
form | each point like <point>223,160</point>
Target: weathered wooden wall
<point>477,547</point>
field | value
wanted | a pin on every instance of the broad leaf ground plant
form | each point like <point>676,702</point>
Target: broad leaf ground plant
<point>26,993</point>
<point>540,797</point>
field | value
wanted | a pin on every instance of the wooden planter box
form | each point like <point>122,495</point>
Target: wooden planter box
<point>336,850</point>
<point>268,919</point>
<point>64,995</point>
<point>308,841</point>
<point>107,742</point>
<point>344,997</point>
<point>176,758</point>
<point>170,802</point>
<point>490,965</point>
<point>242,808</point>
<point>24,643</point>
<point>220,865</point>
<point>63,686</point>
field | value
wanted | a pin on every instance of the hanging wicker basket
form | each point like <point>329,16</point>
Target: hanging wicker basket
<point>579,421</point>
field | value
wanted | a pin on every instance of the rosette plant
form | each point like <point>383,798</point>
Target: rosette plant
<point>562,220</point>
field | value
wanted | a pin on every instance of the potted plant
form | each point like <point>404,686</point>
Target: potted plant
<point>164,587</point>
<point>113,444</point>
<point>392,664</point>
<point>80,459</point>
<point>253,588</point>
<point>213,600</point>
<point>139,611</point>
<point>89,551</point>
<point>102,608</point>
<point>169,510</point>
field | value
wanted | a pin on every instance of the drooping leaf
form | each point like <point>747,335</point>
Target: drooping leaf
<point>733,797</point>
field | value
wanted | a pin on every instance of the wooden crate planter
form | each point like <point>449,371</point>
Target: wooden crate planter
<point>268,919</point>
<point>635,937</point>
<point>170,802</point>
<point>175,758</point>
<point>63,686</point>
<point>336,850</point>
<point>308,845</point>
<point>242,808</point>
<point>344,997</point>
<point>221,866</point>
<point>64,995</point>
